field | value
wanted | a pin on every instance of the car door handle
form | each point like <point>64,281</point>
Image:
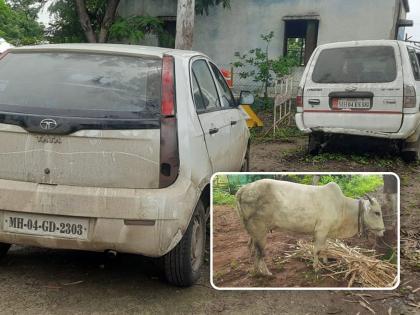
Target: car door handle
<point>233,122</point>
<point>213,131</point>
<point>314,102</point>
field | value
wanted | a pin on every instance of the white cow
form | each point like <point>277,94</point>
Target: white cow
<point>322,211</point>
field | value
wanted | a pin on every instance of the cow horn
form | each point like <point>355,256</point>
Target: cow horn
<point>369,198</point>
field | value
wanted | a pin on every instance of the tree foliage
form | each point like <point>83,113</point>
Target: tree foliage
<point>18,23</point>
<point>354,186</point>
<point>68,26</point>
<point>258,65</point>
<point>203,6</point>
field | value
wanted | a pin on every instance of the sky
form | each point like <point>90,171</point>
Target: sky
<point>414,15</point>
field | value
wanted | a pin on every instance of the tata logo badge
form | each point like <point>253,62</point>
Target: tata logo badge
<point>48,124</point>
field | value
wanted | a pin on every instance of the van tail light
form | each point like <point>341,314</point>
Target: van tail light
<point>169,154</point>
<point>299,97</point>
<point>410,99</point>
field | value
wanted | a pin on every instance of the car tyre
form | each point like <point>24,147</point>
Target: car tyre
<point>314,143</point>
<point>4,248</point>
<point>245,164</point>
<point>183,263</point>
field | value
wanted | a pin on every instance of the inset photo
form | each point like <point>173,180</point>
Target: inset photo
<point>305,231</point>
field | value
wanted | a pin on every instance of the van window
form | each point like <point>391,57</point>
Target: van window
<point>370,64</point>
<point>414,63</point>
<point>81,85</point>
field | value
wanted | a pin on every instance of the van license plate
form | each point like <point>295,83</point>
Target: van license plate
<point>351,103</point>
<point>46,225</point>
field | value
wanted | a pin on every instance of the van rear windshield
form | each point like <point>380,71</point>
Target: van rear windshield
<point>370,64</point>
<point>81,84</point>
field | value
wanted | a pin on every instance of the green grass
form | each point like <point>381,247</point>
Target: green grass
<point>355,186</point>
<point>282,133</point>
<point>223,198</point>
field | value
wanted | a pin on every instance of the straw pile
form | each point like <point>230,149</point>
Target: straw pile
<point>353,264</point>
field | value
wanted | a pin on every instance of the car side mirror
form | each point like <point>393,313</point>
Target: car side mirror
<point>246,98</point>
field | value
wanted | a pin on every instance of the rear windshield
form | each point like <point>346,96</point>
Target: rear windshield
<point>81,84</point>
<point>373,64</point>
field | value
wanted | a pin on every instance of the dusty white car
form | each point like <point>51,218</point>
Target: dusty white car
<point>367,88</point>
<point>111,148</point>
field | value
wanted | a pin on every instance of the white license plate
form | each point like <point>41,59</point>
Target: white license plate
<point>46,225</point>
<point>351,103</point>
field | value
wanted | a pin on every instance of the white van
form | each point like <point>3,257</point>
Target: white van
<point>366,88</point>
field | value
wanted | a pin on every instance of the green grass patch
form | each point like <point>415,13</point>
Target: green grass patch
<point>223,198</point>
<point>354,186</point>
<point>282,133</point>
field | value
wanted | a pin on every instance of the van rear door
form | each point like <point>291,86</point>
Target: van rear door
<point>81,119</point>
<point>355,87</point>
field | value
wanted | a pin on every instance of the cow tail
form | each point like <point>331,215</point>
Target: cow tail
<point>238,207</point>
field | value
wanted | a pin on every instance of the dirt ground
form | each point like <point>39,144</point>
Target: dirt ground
<point>41,281</point>
<point>233,267</point>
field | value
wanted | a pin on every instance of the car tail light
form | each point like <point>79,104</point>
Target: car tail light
<point>169,155</point>
<point>168,86</point>
<point>299,97</point>
<point>410,99</point>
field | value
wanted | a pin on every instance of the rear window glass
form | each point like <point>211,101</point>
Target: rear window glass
<point>79,84</point>
<point>374,64</point>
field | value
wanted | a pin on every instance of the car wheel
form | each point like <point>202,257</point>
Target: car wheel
<point>4,248</point>
<point>245,164</point>
<point>314,143</point>
<point>182,265</point>
<point>410,152</point>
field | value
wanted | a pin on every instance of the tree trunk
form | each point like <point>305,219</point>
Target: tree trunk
<point>85,21</point>
<point>108,19</point>
<point>185,24</point>
<point>389,213</point>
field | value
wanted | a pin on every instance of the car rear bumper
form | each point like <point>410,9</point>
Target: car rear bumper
<point>141,221</point>
<point>409,130</point>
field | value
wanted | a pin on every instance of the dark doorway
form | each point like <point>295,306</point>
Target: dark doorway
<point>167,37</point>
<point>300,38</point>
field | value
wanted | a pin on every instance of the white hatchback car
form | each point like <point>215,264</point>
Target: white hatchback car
<point>366,88</point>
<point>111,148</point>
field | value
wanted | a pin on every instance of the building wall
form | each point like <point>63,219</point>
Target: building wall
<point>224,32</point>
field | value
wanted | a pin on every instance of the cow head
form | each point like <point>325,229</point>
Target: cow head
<point>373,216</point>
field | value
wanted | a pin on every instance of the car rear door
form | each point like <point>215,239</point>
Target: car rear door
<point>355,87</point>
<point>238,128</point>
<point>80,119</point>
<point>214,122</point>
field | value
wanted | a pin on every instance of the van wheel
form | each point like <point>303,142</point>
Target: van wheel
<point>182,265</point>
<point>4,248</point>
<point>410,156</point>
<point>314,143</point>
<point>245,164</point>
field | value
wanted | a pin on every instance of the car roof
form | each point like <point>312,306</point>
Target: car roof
<point>135,50</point>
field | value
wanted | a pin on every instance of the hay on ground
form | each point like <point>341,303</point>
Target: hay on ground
<point>354,264</point>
